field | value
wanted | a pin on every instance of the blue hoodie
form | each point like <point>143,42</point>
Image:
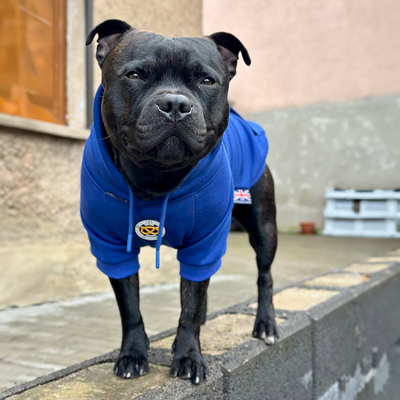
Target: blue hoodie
<point>194,219</point>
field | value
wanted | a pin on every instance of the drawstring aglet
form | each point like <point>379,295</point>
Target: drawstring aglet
<point>157,259</point>
<point>129,244</point>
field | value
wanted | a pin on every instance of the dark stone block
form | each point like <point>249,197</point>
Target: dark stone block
<point>353,332</point>
<point>283,371</point>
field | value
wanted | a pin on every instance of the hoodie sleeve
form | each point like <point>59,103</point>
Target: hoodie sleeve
<point>201,254</point>
<point>109,250</point>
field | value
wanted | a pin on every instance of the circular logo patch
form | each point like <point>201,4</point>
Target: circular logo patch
<point>148,229</point>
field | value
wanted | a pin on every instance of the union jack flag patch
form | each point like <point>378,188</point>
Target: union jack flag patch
<point>241,196</point>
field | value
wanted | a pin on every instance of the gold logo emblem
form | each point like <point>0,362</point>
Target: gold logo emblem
<point>148,229</point>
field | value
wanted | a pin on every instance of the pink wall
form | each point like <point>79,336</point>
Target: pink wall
<point>307,51</point>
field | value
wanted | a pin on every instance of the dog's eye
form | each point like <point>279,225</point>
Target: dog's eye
<point>133,75</point>
<point>208,81</point>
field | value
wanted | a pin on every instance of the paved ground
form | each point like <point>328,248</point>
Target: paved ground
<point>36,340</point>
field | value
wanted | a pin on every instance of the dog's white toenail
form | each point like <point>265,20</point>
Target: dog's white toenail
<point>197,380</point>
<point>141,372</point>
<point>128,375</point>
<point>270,340</point>
<point>263,336</point>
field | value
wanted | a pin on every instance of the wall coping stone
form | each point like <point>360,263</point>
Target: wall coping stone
<point>251,365</point>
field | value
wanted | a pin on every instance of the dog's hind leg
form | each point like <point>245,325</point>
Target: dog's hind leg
<point>132,360</point>
<point>259,220</point>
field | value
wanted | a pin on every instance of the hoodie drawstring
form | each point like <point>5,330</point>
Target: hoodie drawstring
<point>160,227</point>
<point>130,229</point>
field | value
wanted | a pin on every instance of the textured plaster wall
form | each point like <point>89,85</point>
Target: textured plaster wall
<point>351,145</point>
<point>169,18</point>
<point>308,51</point>
<point>39,187</point>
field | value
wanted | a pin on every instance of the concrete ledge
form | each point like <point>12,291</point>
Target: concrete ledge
<point>339,340</point>
<point>26,124</point>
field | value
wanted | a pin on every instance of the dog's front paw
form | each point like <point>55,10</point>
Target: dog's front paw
<point>131,365</point>
<point>191,366</point>
<point>265,329</point>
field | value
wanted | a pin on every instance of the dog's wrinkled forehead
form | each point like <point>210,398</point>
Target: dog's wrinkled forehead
<point>119,42</point>
<point>146,50</point>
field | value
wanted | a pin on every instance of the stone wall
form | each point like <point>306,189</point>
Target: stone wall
<point>352,145</point>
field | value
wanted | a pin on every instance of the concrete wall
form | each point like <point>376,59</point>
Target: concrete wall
<point>339,340</point>
<point>324,83</point>
<point>39,188</point>
<point>349,145</point>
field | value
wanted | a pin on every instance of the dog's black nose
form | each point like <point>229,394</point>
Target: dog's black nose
<point>174,106</point>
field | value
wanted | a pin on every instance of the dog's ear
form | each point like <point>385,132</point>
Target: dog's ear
<point>229,47</point>
<point>109,32</point>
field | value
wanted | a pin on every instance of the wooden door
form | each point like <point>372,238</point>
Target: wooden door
<point>32,59</point>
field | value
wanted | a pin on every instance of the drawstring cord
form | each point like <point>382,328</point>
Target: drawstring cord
<point>160,228</point>
<point>130,230</point>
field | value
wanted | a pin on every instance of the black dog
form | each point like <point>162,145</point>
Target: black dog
<point>165,109</point>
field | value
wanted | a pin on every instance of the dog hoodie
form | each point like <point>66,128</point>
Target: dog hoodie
<point>194,219</point>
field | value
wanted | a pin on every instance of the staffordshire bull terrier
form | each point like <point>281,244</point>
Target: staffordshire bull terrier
<point>168,162</point>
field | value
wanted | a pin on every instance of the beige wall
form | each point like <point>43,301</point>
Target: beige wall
<point>167,17</point>
<point>309,51</point>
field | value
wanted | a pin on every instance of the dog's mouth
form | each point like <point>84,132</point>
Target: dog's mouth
<point>163,146</point>
<point>170,153</point>
<point>161,135</point>
<point>171,149</point>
